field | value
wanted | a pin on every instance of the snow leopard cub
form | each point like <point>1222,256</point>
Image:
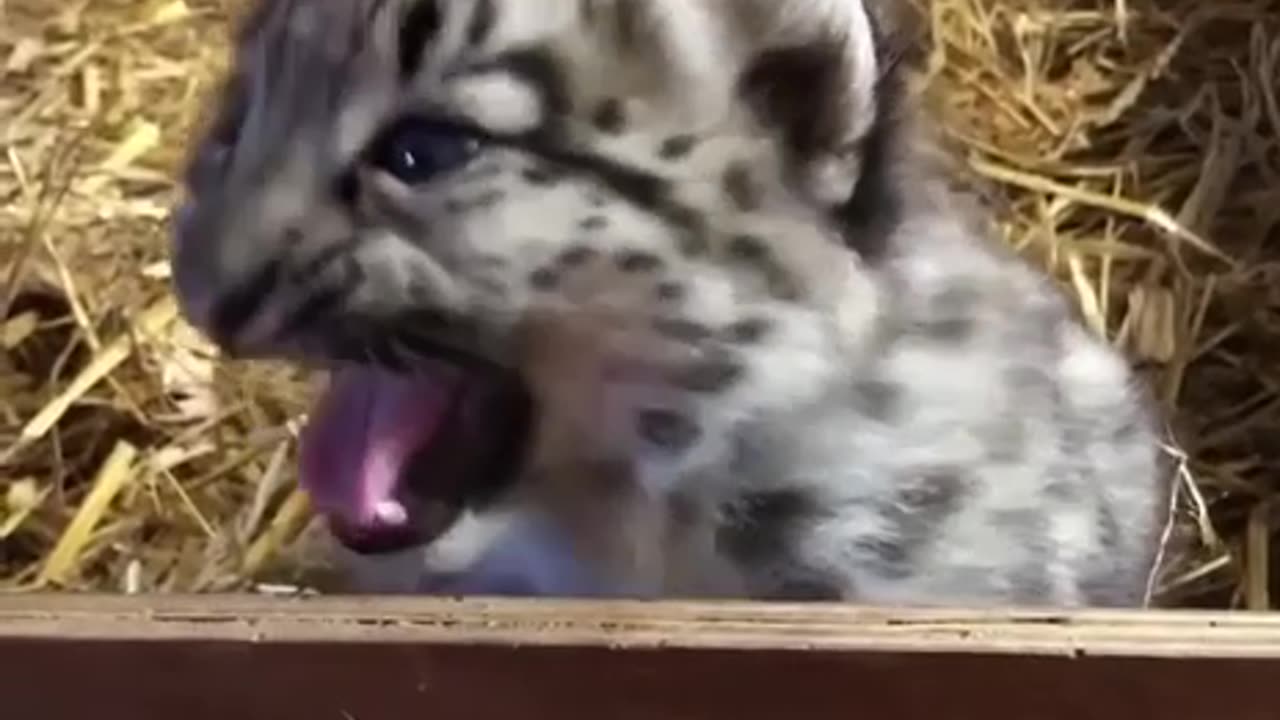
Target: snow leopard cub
<point>639,298</point>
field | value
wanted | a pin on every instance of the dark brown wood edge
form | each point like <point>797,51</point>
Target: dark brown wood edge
<point>67,656</point>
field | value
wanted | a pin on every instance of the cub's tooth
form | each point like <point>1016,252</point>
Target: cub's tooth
<point>391,512</point>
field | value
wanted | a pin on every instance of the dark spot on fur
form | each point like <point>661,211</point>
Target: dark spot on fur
<point>610,117</point>
<point>741,188</point>
<point>1063,490</point>
<point>1111,583</point>
<point>1031,582</point>
<point>891,555</point>
<point>629,183</point>
<point>1130,426</point>
<point>576,255</point>
<point>1108,527</point>
<point>1027,531</point>
<point>541,175</point>
<point>544,278</point>
<point>1027,379</point>
<point>677,147</point>
<point>956,298</point>
<point>753,251</point>
<point>715,373</point>
<point>1108,587</point>
<point>482,21</point>
<point>1023,525</point>
<point>748,331</point>
<point>634,261</point>
<point>954,330</point>
<point>808,589</point>
<point>489,198</point>
<point>782,286</point>
<point>667,429</point>
<point>594,222</point>
<point>691,228</point>
<point>878,399</point>
<point>480,201</point>
<point>693,245</point>
<point>749,248</point>
<point>1004,437</point>
<point>914,518</point>
<point>417,30</point>
<point>637,186</point>
<point>951,315</point>
<point>682,330</point>
<point>934,494</point>
<point>627,16</point>
<point>760,526</point>
<point>669,291</point>
<point>1038,323</point>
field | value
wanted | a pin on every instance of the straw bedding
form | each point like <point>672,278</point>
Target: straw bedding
<point>1129,147</point>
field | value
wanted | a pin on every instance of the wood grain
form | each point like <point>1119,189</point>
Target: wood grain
<point>109,657</point>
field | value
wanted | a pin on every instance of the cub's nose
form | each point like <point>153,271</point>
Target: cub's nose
<point>193,276</point>
<point>222,286</point>
<point>199,276</point>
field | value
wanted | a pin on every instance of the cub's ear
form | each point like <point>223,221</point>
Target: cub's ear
<point>821,74</point>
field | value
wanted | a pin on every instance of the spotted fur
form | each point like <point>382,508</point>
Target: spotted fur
<point>770,360</point>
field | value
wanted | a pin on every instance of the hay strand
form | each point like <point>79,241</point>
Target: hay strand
<point>153,319</point>
<point>111,479</point>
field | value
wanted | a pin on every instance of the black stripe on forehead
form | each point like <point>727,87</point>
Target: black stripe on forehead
<point>645,191</point>
<point>419,27</point>
<point>424,22</point>
<point>538,68</point>
<point>483,18</point>
<point>633,184</point>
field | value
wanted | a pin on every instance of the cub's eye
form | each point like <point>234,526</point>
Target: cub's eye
<point>416,150</point>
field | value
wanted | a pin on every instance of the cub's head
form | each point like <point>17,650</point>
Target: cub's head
<point>381,181</point>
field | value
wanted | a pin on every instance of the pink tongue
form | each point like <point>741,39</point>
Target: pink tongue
<point>359,439</point>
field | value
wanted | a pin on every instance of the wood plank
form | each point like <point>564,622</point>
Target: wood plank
<point>67,656</point>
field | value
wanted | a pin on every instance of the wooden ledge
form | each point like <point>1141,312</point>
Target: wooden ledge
<point>67,656</point>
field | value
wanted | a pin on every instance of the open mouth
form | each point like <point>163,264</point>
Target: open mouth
<point>390,459</point>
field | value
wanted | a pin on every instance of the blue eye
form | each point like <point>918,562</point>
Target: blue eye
<point>416,151</point>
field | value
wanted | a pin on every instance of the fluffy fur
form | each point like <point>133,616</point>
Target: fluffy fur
<point>769,359</point>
